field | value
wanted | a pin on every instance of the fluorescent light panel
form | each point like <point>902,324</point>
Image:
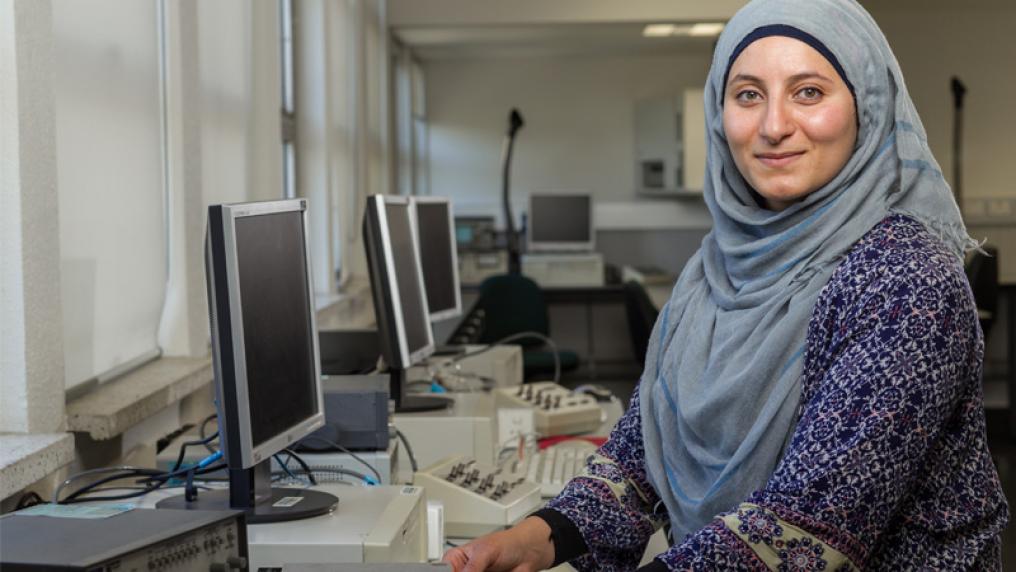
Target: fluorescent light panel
<point>703,29</point>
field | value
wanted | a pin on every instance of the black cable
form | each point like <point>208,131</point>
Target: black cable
<point>190,492</point>
<point>71,499</point>
<point>114,477</point>
<point>167,476</point>
<point>303,464</point>
<point>409,450</point>
<point>285,465</point>
<point>201,432</point>
<point>183,448</point>
<point>344,450</point>
<point>153,480</point>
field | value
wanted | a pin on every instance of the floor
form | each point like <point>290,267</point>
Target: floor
<point>617,377</point>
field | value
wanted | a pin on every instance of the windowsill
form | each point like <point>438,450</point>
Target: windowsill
<point>24,459</point>
<point>114,407</point>
<point>352,310</point>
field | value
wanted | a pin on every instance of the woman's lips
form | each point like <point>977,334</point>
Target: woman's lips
<point>776,160</point>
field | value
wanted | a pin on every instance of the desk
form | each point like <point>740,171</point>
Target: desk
<point>588,296</point>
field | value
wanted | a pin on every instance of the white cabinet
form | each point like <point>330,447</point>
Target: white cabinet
<point>670,144</point>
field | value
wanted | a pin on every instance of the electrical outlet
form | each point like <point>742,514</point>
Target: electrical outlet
<point>513,422</point>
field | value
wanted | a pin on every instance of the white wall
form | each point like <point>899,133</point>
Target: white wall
<point>975,41</point>
<point>579,132</point>
<point>578,109</point>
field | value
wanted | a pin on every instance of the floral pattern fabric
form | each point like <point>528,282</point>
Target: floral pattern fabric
<point>888,467</point>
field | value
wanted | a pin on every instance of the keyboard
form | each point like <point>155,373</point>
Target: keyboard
<point>553,467</point>
<point>557,410</point>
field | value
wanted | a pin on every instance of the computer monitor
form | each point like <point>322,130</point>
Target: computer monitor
<point>560,222</point>
<point>400,301</point>
<point>435,227</point>
<point>264,352</point>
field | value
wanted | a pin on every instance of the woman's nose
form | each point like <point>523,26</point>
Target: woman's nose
<point>776,123</point>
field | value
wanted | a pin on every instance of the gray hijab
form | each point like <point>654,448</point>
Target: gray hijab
<point>721,389</point>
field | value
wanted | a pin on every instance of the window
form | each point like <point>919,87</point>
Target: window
<point>113,246</point>
<point>288,100</point>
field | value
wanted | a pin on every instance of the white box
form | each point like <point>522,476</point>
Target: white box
<point>565,269</point>
<point>370,524</point>
<point>468,428</point>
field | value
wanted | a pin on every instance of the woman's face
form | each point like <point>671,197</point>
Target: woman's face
<point>789,118</point>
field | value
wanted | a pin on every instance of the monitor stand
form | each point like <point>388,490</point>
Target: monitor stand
<point>250,490</point>
<point>407,403</point>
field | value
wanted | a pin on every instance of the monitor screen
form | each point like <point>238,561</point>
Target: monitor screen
<point>264,355</point>
<point>438,256</point>
<point>415,314</point>
<point>560,222</point>
<point>400,301</point>
<point>264,339</point>
<point>277,329</point>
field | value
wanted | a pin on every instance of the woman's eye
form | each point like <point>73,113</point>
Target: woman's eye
<point>748,96</point>
<point>809,93</point>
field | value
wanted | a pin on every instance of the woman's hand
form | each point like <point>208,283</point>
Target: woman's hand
<point>526,547</point>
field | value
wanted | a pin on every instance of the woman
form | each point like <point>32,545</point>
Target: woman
<point>811,398</point>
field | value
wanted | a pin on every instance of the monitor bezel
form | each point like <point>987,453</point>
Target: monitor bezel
<point>237,420</point>
<point>390,291</point>
<point>561,246</point>
<point>455,311</point>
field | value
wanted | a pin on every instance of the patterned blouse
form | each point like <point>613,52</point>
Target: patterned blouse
<point>888,467</point>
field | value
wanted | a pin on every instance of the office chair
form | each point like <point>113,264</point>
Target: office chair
<point>641,315</point>
<point>982,273</point>
<point>514,304</point>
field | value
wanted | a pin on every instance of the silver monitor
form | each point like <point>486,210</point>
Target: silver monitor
<point>435,226</point>
<point>400,300</point>
<point>560,222</point>
<point>264,350</point>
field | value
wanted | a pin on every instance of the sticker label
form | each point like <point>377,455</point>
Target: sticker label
<point>286,501</point>
<point>410,490</point>
<point>77,511</point>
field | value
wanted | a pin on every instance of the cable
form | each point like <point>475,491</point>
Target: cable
<point>513,337</point>
<point>183,448</point>
<point>409,450</point>
<point>115,477</point>
<point>303,465</point>
<point>72,478</point>
<point>344,450</point>
<point>154,478</point>
<point>201,432</point>
<point>285,468</point>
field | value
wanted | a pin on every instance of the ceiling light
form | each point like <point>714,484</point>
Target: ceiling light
<point>711,29</point>
<point>658,30</point>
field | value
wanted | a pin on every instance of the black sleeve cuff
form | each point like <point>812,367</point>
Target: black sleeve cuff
<point>654,566</point>
<point>568,541</point>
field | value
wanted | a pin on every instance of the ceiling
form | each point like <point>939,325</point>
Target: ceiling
<point>461,42</point>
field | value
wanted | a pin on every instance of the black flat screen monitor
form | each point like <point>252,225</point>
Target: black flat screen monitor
<point>400,301</point>
<point>265,354</point>
<point>435,226</point>
<point>560,222</point>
